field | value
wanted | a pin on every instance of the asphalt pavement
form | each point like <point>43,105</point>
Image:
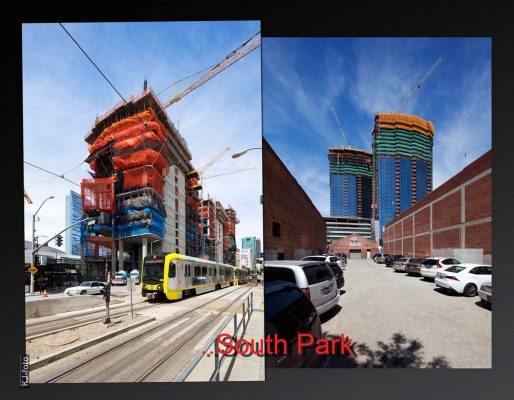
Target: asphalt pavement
<point>448,330</point>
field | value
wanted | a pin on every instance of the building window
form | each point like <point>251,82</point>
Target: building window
<point>176,204</point>
<point>177,250</point>
<point>276,229</point>
<point>280,256</point>
<point>176,217</point>
<point>176,225</point>
<point>176,243</point>
<point>176,190</point>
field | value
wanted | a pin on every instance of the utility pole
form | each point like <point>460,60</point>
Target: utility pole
<point>34,249</point>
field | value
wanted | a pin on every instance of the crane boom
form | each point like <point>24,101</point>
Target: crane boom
<point>228,172</point>
<point>27,197</point>
<point>248,46</point>
<point>204,168</point>
<point>339,126</point>
<point>420,83</point>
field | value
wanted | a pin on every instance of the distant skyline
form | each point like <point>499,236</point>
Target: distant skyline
<point>304,77</point>
<point>63,93</point>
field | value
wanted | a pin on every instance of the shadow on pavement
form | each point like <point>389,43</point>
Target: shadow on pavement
<point>330,313</point>
<point>401,352</point>
<point>445,292</point>
<point>487,306</point>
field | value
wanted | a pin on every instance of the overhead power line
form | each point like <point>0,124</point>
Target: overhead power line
<point>50,172</point>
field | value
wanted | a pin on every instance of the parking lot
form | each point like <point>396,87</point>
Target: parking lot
<point>451,330</point>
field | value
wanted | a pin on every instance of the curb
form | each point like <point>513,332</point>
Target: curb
<point>61,354</point>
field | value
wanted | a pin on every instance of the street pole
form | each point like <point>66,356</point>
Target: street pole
<point>107,295</point>
<point>33,244</point>
<point>131,305</point>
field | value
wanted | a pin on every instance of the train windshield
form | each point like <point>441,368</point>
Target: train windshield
<point>153,271</point>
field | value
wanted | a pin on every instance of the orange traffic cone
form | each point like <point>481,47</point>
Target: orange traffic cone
<point>45,293</point>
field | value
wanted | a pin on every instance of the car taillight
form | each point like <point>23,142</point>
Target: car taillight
<point>307,292</point>
<point>454,278</point>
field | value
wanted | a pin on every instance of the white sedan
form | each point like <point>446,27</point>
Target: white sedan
<point>464,278</point>
<point>89,287</point>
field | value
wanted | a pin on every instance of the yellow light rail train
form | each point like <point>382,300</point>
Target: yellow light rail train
<point>173,275</point>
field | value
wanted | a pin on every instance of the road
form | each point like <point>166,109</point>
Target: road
<point>378,303</point>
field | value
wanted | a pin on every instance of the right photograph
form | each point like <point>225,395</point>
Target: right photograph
<point>377,202</point>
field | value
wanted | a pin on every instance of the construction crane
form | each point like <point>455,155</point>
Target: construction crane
<point>246,48</point>
<point>27,197</point>
<point>228,172</point>
<point>215,159</point>
<point>419,84</point>
<point>339,126</point>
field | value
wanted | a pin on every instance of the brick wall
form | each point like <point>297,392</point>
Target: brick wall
<point>302,228</point>
<point>461,215</point>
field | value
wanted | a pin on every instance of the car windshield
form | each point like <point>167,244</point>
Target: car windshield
<point>430,261</point>
<point>85,284</point>
<point>314,258</point>
<point>455,269</point>
<point>401,260</point>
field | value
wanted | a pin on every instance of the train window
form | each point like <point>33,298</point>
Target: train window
<point>204,271</point>
<point>198,270</point>
<point>210,271</point>
<point>214,272</point>
<point>172,271</point>
<point>186,270</point>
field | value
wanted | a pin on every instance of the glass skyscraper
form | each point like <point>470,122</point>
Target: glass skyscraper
<point>73,214</point>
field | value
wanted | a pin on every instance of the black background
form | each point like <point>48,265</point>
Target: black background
<point>371,19</point>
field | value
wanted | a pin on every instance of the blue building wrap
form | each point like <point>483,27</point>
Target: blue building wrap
<point>405,183</point>
<point>386,195</point>
<point>421,179</point>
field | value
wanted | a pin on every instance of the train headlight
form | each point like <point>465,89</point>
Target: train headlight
<point>159,287</point>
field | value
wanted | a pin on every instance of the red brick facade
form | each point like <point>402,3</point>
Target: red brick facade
<point>458,215</point>
<point>293,227</point>
<point>353,244</point>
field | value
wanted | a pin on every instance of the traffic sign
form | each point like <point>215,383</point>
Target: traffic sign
<point>32,270</point>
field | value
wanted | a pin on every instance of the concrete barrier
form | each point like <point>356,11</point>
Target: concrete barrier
<point>48,306</point>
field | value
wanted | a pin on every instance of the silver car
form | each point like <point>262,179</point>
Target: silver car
<point>399,265</point>
<point>431,266</point>
<point>486,294</point>
<point>314,278</point>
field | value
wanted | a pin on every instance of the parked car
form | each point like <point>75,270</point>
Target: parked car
<point>326,258</point>
<point>120,278</point>
<point>485,292</point>
<point>338,273</point>
<point>289,312</point>
<point>430,266</point>
<point>463,278</point>
<point>314,278</point>
<point>374,256</point>
<point>340,257</point>
<point>399,265</point>
<point>88,287</point>
<point>380,258</point>
<point>390,259</point>
<point>413,266</point>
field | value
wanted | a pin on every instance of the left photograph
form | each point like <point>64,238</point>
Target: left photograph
<point>143,201</point>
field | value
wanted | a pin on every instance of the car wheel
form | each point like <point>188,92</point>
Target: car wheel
<point>101,291</point>
<point>83,292</point>
<point>470,290</point>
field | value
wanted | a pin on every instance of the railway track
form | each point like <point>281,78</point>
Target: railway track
<point>44,328</point>
<point>145,334</point>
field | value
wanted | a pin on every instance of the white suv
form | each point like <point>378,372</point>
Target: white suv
<point>314,278</point>
<point>430,266</point>
<point>326,258</point>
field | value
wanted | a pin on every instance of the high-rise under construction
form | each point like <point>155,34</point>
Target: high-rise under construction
<point>351,175</point>
<point>402,164</point>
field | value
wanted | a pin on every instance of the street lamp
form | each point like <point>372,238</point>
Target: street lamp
<point>151,245</point>
<point>243,152</point>
<point>33,239</point>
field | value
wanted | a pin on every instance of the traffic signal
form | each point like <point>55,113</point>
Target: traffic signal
<point>36,260</point>
<point>58,240</point>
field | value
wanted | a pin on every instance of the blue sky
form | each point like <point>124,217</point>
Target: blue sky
<point>304,77</point>
<point>63,93</point>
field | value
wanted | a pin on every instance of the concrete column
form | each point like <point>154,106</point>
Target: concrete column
<point>113,258</point>
<point>413,237</point>
<point>120,254</point>
<point>463,217</point>
<point>144,248</point>
<point>431,236</point>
